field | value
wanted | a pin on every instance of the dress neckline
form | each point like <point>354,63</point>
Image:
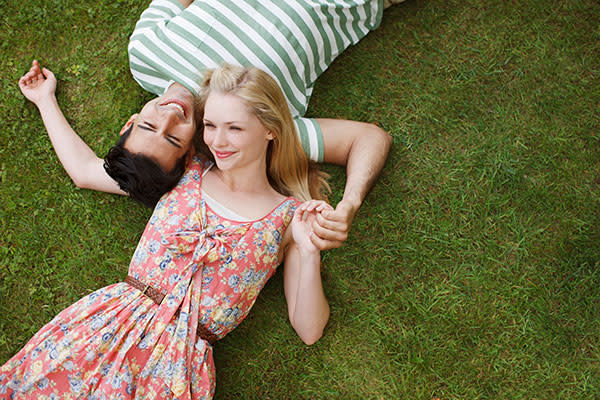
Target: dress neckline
<point>250,221</point>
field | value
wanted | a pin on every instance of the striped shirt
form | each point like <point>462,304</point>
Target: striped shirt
<point>292,40</point>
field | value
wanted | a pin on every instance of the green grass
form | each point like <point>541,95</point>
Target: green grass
<point>473,268</point>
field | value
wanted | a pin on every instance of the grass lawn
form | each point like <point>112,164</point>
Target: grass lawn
<point>473,268</point>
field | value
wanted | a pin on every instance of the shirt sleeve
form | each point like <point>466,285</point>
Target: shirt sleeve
<point>159,11</point>
<point>145,61</point>
<point>311,137</point>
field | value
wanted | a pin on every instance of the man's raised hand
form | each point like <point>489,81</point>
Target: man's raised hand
<point>38,83</point>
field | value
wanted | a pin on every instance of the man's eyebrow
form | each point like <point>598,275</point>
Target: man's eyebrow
<point>145,127</point>
<point>168,139</point>
<point>167,136</point>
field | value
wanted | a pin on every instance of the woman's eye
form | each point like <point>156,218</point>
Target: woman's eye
<point>235,128</point>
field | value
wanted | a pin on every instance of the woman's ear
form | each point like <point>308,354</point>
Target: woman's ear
<point>270,135</point>
<point>128,124</point>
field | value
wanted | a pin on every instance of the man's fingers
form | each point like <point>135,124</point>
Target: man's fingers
<point>334,215</point>
<point>30,77</point>
<point>322,244</point>
<point>24,82</point>
<point>329,234</point>
<point>48,73</point>
<point>33,71</point>
<point>331,224</point>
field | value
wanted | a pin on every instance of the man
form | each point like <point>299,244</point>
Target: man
<point>174,42</point>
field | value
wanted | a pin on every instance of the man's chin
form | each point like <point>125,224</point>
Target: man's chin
<point>179,92</point>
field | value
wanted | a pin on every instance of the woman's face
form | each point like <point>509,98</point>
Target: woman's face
<point>234,135</point>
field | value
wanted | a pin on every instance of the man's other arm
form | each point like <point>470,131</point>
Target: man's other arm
<point>81,163</point>
<point>363,149</point>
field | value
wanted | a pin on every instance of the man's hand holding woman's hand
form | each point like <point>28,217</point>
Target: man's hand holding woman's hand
<point>302,225</point>
<point>327,228</point>
<point>331,226</point>
<point>38,84</point>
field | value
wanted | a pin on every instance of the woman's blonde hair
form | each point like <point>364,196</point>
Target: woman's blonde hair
<point>288,168</point>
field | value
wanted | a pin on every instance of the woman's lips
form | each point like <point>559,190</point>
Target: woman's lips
<point>223,154</point>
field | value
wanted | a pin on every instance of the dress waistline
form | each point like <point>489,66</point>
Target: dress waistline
<point>157,297</point>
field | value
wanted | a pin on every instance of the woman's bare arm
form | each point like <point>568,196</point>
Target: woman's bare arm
<point>308,308</point>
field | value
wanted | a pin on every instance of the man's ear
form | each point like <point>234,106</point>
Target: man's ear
<point>128,124</point>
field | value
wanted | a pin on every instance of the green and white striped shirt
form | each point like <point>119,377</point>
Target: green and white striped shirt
<point>292,40</point>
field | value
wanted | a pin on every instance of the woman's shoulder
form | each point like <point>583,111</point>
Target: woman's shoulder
<point>286,208</point>
<point>196,168</point>
<point>200,162</point>
<point>189,184</point>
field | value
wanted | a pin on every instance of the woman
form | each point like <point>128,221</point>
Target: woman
<point>207,251</point>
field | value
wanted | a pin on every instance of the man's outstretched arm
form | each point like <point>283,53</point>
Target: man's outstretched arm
<point>363,149</point>
<point>83,165</point>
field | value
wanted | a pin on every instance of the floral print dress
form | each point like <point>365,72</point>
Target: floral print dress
<point>117,343</point>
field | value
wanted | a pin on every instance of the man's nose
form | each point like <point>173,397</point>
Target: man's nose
<point>167,118</point>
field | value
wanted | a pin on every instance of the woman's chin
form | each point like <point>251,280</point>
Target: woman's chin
<point>223,165</point>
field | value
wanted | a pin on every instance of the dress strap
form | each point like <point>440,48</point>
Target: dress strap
<point>207,168</point>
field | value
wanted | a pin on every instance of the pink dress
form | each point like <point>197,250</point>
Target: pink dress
<point>116,343</point>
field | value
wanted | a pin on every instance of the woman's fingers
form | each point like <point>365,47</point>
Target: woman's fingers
<point>313,206</point>
<point>318,205</point>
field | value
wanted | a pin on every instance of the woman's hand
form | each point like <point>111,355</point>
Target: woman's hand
<point>307,305</point>
<point>302,224</point>
<point>38,84</point>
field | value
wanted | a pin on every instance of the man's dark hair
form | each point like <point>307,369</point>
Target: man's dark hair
<point>140,176</point>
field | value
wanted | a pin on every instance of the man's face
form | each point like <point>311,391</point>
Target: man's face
<point>165,127</point>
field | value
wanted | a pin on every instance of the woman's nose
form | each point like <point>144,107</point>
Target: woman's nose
<point>219,137</point>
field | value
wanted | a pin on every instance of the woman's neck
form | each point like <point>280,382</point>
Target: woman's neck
<point>250,179</point>
<point>245,191</point>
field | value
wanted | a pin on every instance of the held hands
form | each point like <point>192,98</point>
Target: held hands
<point>305,218</point>
<point>37,84</point>
<point>331,226</point>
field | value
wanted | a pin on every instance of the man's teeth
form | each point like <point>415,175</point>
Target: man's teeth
<point>178,107</point>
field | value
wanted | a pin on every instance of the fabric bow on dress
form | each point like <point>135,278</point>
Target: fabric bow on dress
<point>192,248</point>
